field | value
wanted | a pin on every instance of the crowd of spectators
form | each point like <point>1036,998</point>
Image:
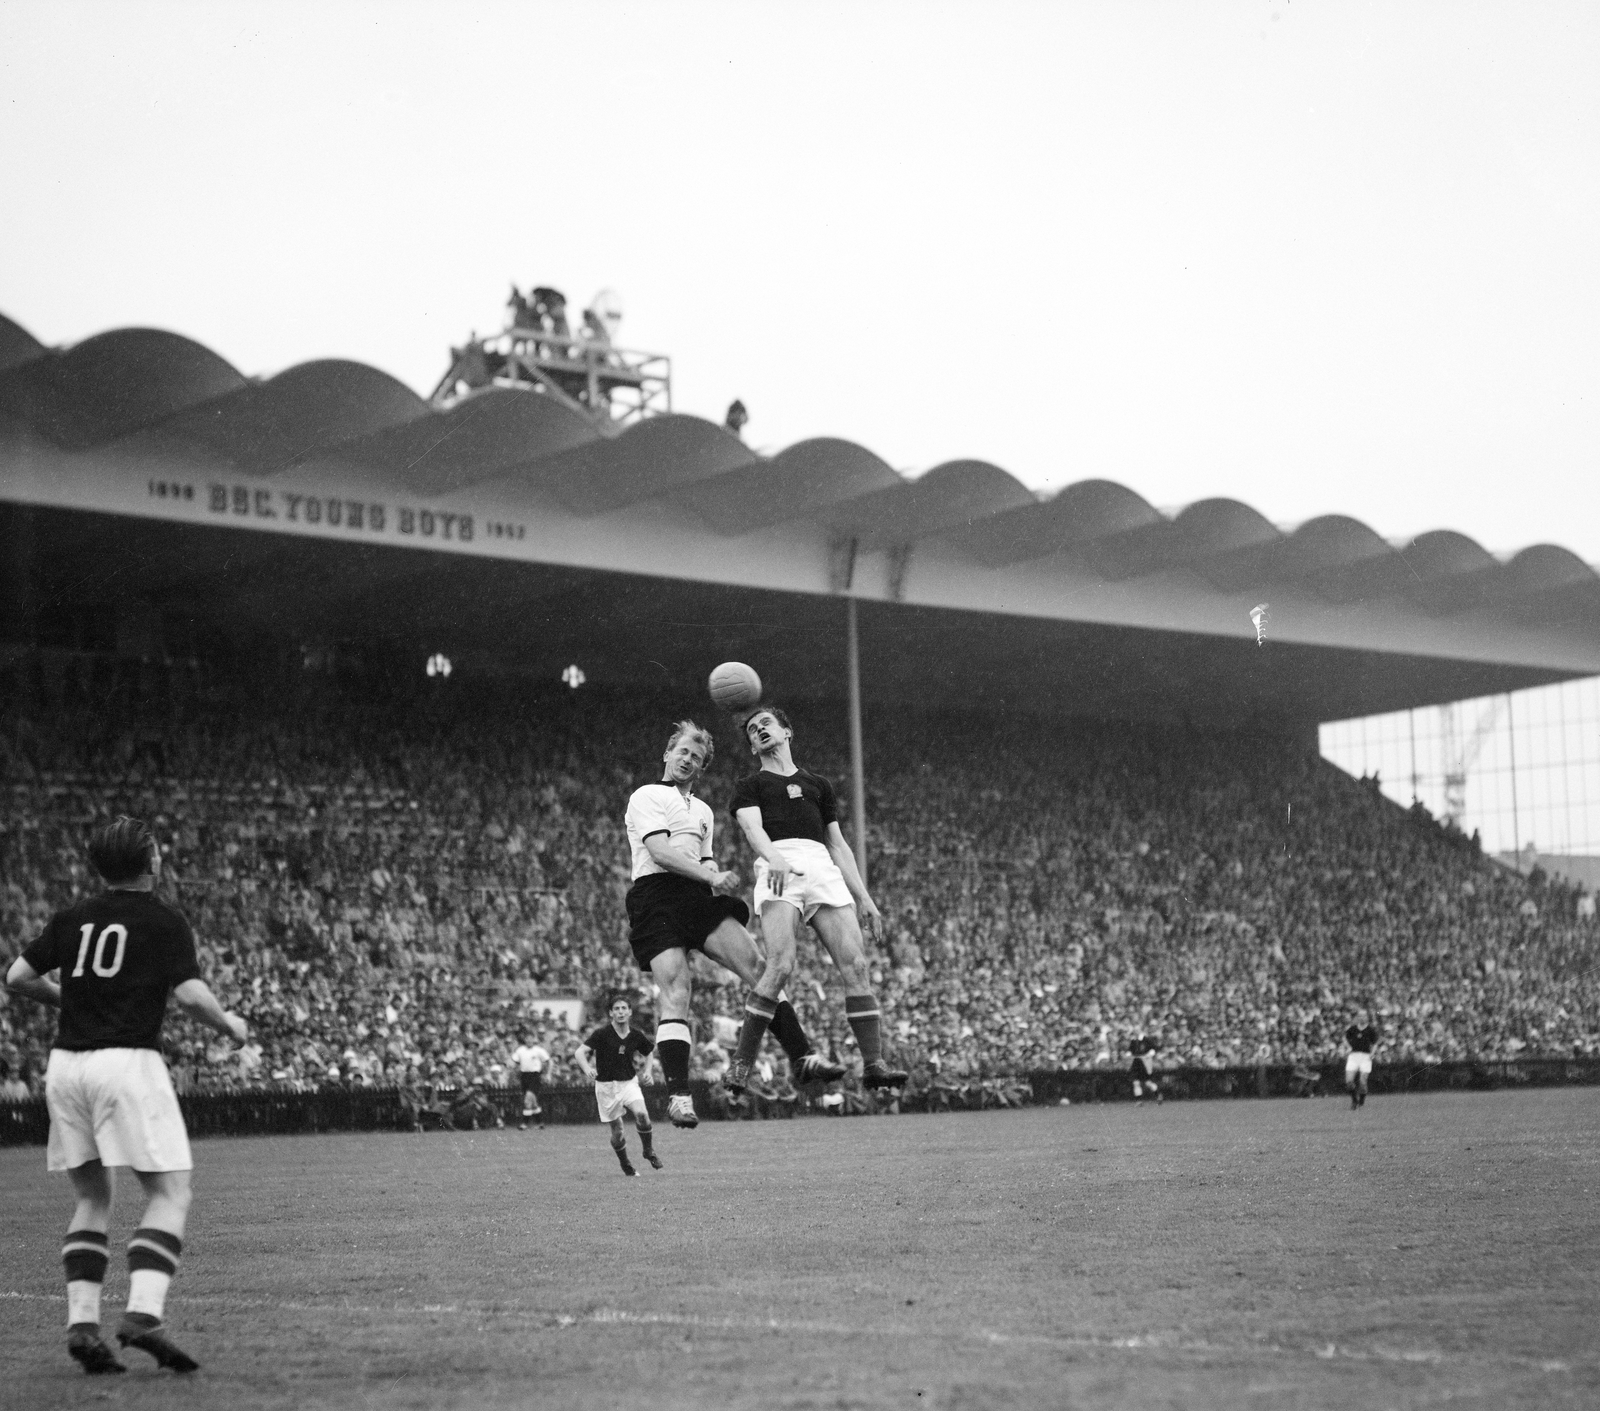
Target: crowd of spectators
<point>395,882</point>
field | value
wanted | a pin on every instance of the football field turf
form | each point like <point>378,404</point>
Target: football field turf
<point>1424,1251</point>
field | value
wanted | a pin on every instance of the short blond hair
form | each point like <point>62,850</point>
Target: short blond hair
<point>696,733</point>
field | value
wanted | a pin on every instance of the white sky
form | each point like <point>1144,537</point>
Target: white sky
<point>1318,256</point>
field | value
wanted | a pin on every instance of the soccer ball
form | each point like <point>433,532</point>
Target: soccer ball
<point>734,686</point>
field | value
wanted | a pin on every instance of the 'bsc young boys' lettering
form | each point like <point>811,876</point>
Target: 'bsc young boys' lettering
<point>339,513</point>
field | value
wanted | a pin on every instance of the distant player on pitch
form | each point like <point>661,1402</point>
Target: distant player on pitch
<point>531,1058</point>
<point>111,1102</point>
<point>681,901</point>
<point>1362,1036</point>
<point>806,872</point>
<point>611,1058</point>
<point>1143,1066</point>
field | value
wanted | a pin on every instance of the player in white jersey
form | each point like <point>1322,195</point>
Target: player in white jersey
<point>532,1059</point>
<point>681,901</point>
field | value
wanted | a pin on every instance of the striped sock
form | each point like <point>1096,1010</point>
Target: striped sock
<point>674,1044</point>
<point>85,1255</point>
<point>758,1014</point>
<point>866,1023</point>
<point>152,1261</point>
<point>790,1033</point>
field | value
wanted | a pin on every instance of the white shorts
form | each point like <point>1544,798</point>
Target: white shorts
<point>613,1099</point>
<point>821,885</point>
<point>115,1106</point>
<point>1358,1063</point>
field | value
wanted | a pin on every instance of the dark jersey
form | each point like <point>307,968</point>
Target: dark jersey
<point>119,954</point>
<point>1142,1046</point>
<point>613,1052</point>
<point>1361,1040</point>
<point>798,805</point>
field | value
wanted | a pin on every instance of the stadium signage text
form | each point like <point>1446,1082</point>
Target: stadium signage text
<point>336,511</point>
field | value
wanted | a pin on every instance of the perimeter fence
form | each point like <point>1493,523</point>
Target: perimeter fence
<point>278,1111</point>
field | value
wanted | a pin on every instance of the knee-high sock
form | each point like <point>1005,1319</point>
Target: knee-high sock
<point>789,1032</point>
<point>152,1261</point>
<point>646,1133</point>
<point>674,1044</point>
<point>758,1014</point>
<point>84,1255</point>
<point>866,1023</point>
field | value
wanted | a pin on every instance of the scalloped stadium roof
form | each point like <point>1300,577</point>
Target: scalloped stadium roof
<point>678,500</point>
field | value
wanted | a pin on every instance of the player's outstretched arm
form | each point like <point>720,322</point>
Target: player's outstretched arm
<point>196,1000</point>
<point>724,884</point>
<point>23,979</point>
<point>845,861</point>
<point>778,866</point>
<point>665,855</point>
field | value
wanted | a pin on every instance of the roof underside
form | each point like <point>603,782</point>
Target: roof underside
<point>1088,567</point>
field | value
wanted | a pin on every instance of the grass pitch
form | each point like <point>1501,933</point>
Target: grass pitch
<point>1273,1254</point>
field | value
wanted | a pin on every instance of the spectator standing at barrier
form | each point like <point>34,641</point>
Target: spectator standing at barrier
<point>531,1058</point>
<point>11,1089</point>
<point>1362,1036</point>
<point>111,1101</point>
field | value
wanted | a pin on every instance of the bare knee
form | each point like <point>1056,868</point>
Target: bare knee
<point>91,1184</point>
<point>856,976</point>
<point>775,974</point>
<point>675,998</point>
<point>168,1193</point>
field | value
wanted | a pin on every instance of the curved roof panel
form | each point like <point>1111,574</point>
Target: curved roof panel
<point>17,345</point>
<point>1543,568</point>
<point>807,478</point>
<point>478,439</point>
<point>265,427</point>
<point>954,495</point>
<point>114,384</point>
<point>1342,558</point>
<point>1091,515</point>
<point>1443,554</point>
<point>650,458</point>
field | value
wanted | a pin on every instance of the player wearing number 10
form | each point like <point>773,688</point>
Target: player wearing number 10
<point>111,1102</point>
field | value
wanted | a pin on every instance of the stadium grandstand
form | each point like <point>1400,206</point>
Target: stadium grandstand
<point>1082,733</point>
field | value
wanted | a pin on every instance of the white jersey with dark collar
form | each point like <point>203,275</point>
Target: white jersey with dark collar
<point>662,808</point>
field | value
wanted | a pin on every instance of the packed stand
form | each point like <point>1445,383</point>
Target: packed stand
<point>395,885</point>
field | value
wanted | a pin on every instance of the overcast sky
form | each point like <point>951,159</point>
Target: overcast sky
<point>1322,257</point>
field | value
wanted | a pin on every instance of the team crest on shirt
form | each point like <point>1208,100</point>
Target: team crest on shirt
<point>794,791</point>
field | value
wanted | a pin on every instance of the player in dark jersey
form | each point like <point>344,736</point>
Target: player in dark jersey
<point>805,872</point>
<point>1144,1068</point>
<point>611,1058</point>
<point>1362,1036</point>
<point>111,1102</point>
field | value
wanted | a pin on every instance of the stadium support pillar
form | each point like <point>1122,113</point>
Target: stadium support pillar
<point>858,787</point>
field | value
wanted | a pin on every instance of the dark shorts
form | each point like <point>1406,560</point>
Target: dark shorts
<point>669,912</point>
<point>531,1082</point>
